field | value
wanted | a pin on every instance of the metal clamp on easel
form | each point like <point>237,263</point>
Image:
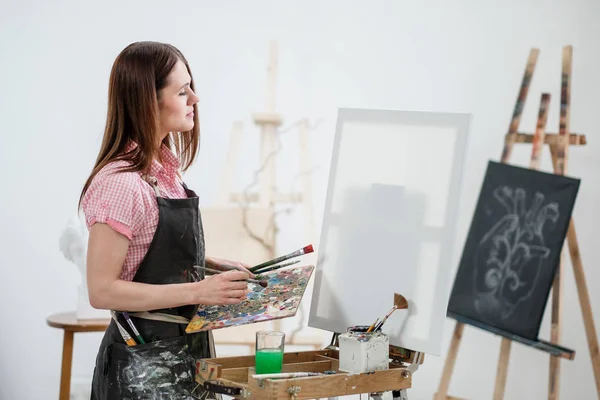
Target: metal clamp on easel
<point>412,367</point>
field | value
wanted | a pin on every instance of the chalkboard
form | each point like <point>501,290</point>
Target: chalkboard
<point>513,248</point>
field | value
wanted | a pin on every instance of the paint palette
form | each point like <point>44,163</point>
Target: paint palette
<point>280,299</point>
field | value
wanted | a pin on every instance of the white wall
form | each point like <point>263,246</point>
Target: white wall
<point>466,56</point>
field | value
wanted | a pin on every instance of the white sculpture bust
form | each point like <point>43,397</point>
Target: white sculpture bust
<point>73,244</point>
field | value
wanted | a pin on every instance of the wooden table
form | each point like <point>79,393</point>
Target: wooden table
<point>68,322</point>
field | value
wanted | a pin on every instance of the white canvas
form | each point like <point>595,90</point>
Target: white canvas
<point>389,223</point>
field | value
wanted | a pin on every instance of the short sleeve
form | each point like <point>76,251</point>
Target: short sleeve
<point>115,198</point>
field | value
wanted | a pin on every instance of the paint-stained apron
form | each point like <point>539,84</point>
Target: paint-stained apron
<point>163,367</point>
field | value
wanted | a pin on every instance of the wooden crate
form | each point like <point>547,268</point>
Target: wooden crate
<point>237,372</point>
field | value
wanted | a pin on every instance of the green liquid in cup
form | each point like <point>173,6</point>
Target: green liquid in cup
<point>269,361</point>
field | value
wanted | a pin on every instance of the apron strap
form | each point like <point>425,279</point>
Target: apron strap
<point>156,316</point>
<point>180,179</point>
<point>152,181</point>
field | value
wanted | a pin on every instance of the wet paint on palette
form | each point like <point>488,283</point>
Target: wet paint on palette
<point>280,299</point>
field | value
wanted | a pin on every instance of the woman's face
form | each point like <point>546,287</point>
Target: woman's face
<point>175,102</point>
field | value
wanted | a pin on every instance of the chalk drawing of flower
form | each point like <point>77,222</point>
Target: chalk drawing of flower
<point>510,255</point>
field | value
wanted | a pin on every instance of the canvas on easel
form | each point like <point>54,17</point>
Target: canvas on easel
<point>389,223</point>
<point>513,248</point>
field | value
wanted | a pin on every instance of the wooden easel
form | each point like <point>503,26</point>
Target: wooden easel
<point>559,145</point>
<point>247,217</point>
<point>268,196</point>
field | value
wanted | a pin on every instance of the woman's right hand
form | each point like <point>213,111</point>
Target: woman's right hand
<point>225,288</point>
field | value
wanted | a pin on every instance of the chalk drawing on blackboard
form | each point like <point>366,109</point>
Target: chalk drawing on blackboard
<point>510,255</point>
<point>512,249</point>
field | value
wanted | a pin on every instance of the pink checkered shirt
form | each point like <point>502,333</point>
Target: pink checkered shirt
<point>127,203</point>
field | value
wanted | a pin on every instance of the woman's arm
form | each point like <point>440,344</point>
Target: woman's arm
<point>106,254</point>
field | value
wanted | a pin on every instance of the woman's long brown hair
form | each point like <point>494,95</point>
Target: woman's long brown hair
<point>140,71</point>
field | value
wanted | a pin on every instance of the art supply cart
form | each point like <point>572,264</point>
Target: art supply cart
<point>358,361</point>
<point>317,376</point>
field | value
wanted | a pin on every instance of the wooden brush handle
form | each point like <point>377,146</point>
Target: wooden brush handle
<point>255,281</point>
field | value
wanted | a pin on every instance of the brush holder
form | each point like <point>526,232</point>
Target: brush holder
<point>361,351</point>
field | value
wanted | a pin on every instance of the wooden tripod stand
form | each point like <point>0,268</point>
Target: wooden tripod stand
<point>559,145</point>
<point>242,224</point>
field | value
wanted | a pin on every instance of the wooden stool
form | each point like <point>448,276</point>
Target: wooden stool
<point>70,324</point>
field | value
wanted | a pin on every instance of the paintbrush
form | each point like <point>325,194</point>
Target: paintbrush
<point>231,268</point>
<point>400,303</point>
<point>302,251</point>
<point>255,281</point>
<point>274,267</point>
<point>373,325</point>
<point>286,375</point>
<point>132,326</point>
<point>126,337</point>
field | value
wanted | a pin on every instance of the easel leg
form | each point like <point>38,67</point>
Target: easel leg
<point>502,369</point>
<point>560,158</point>
<point>450,361</point>
<point>538,140</point>
<point>555,332</point>
<point>584,300</point>
<point>556,324</point>
<point>582,291</point>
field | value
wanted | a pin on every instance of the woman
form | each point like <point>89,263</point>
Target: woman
<point>146,245</point>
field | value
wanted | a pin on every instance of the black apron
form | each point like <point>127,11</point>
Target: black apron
<point>163,367</point>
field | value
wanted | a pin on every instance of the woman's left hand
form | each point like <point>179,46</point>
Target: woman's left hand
<point>217,263</point>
